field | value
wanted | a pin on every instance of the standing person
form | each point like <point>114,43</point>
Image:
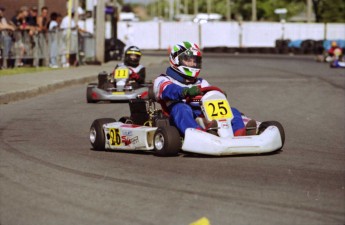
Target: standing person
<point>69,37</point>
<point>43,19</point>
<point>53,29</point>
<point>32,18</point>
<point>181,81</point>
<point>6,32</point>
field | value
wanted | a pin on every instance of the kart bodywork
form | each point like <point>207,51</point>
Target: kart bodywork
<point>149,129</point>
<point>116,87</point>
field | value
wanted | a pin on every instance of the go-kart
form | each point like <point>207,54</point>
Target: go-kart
<point>115,87</point>
<point>148,128</point>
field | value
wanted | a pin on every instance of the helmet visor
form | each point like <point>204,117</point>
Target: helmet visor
<point>188,59</point>
<point>134,58</point>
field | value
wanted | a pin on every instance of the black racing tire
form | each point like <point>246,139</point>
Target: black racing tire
<point>89,93</point>
<point>263,126</point>
<point>167,141</point>
<point>97,136</point>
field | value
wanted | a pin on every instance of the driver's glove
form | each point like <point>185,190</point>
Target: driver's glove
<point>191,92</point>
<point>134,76</point>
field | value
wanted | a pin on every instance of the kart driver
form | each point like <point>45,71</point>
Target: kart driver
<point>181,81</point>
<point>334,51</point>
<point>132,61</point>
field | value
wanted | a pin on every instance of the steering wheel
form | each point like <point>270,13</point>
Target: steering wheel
<point>203,90</point>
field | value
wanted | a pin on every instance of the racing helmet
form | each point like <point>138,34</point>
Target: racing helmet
<point>185,58</point>
<point>132,56</point>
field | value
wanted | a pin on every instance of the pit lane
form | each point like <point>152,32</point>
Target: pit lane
<point>51,176</point>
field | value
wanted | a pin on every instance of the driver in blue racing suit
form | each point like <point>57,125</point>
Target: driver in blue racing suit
<point>181,81</point>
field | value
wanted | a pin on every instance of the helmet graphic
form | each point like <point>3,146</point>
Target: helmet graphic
<point>185,58</point>
<point>132,56</point>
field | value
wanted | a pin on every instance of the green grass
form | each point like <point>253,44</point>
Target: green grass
<point>21,70</point>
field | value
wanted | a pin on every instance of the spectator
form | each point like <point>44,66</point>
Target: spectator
<point>20,20</point>
<point>53,27</point>
<point>69,37</point>
<point>42,20</point>
<point>32,18</point>
<point>6,32</point>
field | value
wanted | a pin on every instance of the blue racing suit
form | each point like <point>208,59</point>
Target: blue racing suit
<point>168,89</point>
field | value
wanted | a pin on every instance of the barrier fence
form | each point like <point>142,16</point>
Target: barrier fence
<point>51,48</point>
<point>161,35</point>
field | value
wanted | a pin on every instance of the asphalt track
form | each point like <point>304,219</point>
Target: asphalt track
<point>50,175</point>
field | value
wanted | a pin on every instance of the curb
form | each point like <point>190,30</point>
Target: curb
<point>6,98</point>
<point>24,94</point>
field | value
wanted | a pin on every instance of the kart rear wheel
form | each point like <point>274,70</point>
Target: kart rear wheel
<point>97,137</point>
<point>167,141</point>
<point>266,124</point>
<point>89,93</point>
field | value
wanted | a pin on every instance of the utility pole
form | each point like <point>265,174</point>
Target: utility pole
<point>171,10</point>
<point>254,10</point>
<point>228,9</point>
<point>100,27</point>
<point>41,3</point>
<point>208,6</point>
<point>185,6</point>
<point>178,7</point>
<point>196,7</point>
<point>309,10</point>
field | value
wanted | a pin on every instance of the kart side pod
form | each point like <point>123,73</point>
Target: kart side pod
<point>197,141</point>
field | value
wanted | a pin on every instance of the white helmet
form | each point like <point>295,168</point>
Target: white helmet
<point>185,58</point>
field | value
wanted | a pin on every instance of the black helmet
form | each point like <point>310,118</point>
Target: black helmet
<point>132,56</point>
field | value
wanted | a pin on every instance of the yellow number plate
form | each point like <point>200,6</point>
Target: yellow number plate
<point>118,93</point>
<point>121,73</point>
<point>115,137</point>
<point>217,109</point>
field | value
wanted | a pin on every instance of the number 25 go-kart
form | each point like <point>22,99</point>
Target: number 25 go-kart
<point>149,129</point>
<point>115,87</point>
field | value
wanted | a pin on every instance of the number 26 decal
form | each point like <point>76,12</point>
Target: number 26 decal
<point>115,138</point>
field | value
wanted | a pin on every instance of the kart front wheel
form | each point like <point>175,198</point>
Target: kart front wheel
<point>167,141</point>
<point>263,126</point>
<point>97,137</point>
<point>89,88</point>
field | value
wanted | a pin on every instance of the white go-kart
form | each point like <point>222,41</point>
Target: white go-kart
<point>149,129</point>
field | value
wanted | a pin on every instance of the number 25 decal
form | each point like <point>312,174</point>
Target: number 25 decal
<point>218,109</point>
<point>115,138</point>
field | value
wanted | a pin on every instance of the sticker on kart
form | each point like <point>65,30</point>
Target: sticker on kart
<point>217,109</point>
<point>118,93</point>
<point>115,137</point>
<point>121,73</point>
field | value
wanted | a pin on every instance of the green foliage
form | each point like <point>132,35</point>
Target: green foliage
<point>21,70</point>
<point>325,10</point>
